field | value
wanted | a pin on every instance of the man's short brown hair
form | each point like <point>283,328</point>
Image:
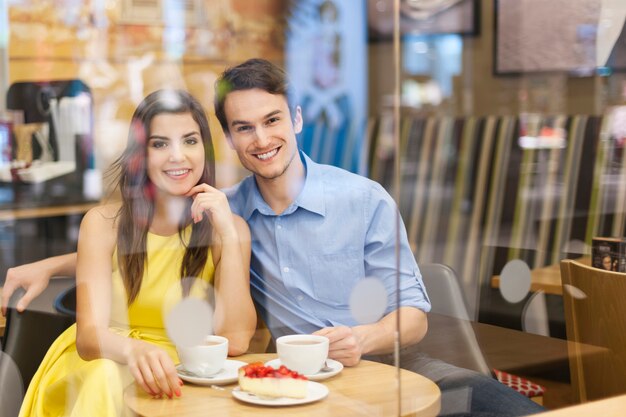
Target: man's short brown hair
<point>253,73</point>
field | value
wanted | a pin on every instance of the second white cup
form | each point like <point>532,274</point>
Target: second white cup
<point>303,353</point>
<point>205,359</point>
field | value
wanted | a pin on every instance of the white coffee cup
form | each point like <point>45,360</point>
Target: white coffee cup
<point>205,359</point>
<point>303,353</point>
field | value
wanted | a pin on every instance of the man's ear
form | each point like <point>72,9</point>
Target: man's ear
<point>297,120</point>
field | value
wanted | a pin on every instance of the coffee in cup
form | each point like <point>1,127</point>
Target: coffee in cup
<point>205,359</point>
<point>303,353</point>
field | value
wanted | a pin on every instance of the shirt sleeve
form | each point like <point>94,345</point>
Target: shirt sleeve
<point>380,254</point>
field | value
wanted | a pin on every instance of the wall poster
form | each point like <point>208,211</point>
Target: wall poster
<point>575,36</point>
<point>423,17</point>
<point>326,57</point>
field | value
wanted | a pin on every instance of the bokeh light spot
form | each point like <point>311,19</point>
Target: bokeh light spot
<point>368,300</point>
<point>515,281</point>
<point>189,322</point>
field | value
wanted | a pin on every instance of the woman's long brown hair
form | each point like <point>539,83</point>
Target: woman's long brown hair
<point>137,211</point>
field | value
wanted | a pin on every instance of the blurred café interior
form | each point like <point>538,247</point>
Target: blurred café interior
<point>498,126</point>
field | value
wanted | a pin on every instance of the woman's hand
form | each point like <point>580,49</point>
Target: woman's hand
<point>214,203</point>
<point>153,369</point>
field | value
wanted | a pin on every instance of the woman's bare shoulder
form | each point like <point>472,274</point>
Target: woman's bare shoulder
<point>103,216</point>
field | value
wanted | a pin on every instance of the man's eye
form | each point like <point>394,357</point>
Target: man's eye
<point>243,128</point>
<point>272,120</point>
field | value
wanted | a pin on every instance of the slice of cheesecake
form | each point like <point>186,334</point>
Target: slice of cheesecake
<point>265,381</point>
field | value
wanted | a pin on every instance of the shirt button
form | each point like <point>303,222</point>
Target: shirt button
<point>279,227</point>
<point>300,298</point>
<point>286,269</point>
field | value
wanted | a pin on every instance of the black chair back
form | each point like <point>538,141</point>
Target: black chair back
<point>28,335</point>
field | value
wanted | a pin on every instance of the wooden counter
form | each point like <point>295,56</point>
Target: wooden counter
<point>50,211</point>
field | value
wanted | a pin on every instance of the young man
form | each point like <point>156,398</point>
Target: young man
<point>316,231</point>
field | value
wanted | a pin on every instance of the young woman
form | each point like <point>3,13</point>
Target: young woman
<point>132,257</point>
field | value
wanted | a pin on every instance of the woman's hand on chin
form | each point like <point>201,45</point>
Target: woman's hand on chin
<point>214,203</point>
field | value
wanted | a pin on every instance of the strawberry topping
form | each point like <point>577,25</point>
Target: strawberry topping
<point>259,370</point>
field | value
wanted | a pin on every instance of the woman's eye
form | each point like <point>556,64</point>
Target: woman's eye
<point>157,144</point>
<point>191,141</point>
<point>243,128</point>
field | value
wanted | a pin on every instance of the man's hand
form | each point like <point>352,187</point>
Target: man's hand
<point>345,344</point>
<point>33,277</point>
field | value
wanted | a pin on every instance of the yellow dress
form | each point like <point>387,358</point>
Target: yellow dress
<point>66,385</point>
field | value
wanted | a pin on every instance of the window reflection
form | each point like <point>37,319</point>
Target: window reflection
<point>510,147</point>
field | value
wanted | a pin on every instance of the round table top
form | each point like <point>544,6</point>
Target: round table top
<point>369,388</point>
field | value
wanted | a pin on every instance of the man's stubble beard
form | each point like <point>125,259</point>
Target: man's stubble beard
<point>281,173</point>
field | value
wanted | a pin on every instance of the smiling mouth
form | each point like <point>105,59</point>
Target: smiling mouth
<point>267,155</point>
<point>177,172</point>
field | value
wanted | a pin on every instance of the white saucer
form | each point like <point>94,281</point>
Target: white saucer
<point>335,365</point>
<point>227,375</point>
<point>315,392</point>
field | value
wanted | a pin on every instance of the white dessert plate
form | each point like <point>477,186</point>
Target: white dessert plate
<point>227,375</point>
<point>315,392</point>
<point>334,365</point>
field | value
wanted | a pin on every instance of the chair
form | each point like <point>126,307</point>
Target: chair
<point>447,299</point>
<point>595,314</point>
<point>11,387</point>
<point>28,335</point>
<point>65,302</point>
<point>444,291</point>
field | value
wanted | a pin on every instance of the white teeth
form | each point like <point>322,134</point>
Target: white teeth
<point>267,155</point>
<point>177,172</point>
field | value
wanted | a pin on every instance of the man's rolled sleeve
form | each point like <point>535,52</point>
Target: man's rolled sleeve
<point>380,255</point>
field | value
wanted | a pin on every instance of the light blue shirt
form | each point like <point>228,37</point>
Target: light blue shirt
<point>306,261</point>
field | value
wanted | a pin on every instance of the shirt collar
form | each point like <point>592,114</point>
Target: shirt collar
<point>311,197</point>
<point>252,199</point>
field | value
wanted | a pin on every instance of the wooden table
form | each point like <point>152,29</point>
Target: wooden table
<point>610,407</point>
<point>544,360</point>
<point>505,349</point>
<point>367,389</point>
<point>546,279</point>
